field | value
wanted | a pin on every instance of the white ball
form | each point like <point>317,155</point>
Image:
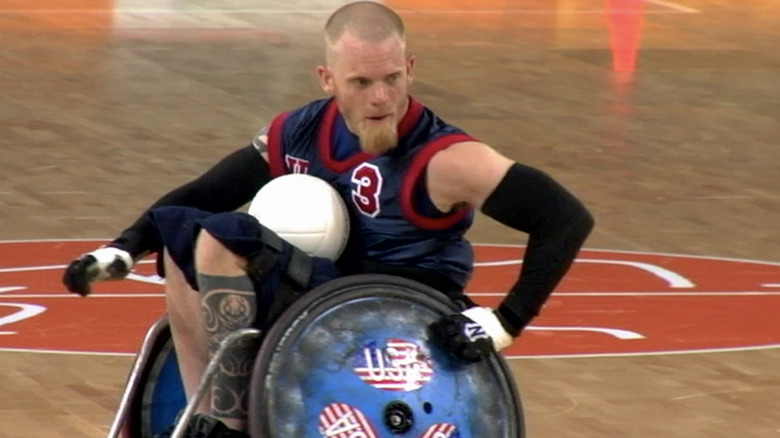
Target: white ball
<point>305,211</point>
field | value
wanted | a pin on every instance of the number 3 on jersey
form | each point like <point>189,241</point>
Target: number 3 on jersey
<point>367,185</point>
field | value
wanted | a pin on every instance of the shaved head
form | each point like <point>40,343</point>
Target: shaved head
<point>366,20</point>
<point>368,72</point>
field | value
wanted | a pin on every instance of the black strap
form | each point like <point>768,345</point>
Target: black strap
<point>261,264</point>
<point>300,268</point>
<point>294,282</point>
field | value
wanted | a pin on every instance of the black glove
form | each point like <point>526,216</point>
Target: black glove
<point>107,263</point>
<point>471,334</point>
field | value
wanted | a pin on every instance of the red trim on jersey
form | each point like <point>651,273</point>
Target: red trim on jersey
<point>410,118</point>
<point>275,146</point>
<point>325,141</point>
<point>412,176</point>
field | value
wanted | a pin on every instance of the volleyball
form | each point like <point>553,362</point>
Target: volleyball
<point>305,211</point>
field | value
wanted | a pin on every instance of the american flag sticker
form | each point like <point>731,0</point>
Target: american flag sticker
<point>340,420</point>
<point>400,366</point>
<point>441,430</point>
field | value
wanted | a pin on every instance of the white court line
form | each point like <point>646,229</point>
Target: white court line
<point>643,294</point>
<point>32,268</point>
<point>104,239</point>
<point>612,253</point>
<point>672,9</point>
<point>648,353</point>
<point>50,267</point>
<point>480,294</point>
<point>509,357</point>
<point>73,295</point>
<point>674,279</point>
<point>674,6</point>
<point>81,353</point>
<point>618,333</point>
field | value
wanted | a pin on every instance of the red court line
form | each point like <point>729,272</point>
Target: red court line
<point>724,307</point>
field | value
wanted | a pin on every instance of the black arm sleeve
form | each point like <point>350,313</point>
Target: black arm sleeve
<point>529,200</point>
<point>228,185</point>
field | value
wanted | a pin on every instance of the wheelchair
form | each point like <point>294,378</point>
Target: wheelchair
<point>349,359</point>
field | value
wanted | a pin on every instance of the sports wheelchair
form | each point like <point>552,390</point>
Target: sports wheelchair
<point>349,359</point>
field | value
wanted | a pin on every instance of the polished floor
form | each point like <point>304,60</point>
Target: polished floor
<point>664,117</point>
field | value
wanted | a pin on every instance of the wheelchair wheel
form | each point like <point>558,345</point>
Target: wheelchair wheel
<point>160,395</point>
<point>352,359</point>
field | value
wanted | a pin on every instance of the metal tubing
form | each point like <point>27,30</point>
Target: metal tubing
<point>205,380</point>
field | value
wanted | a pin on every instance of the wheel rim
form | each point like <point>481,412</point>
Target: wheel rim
<point>160,396</point>
<point>356,350</point>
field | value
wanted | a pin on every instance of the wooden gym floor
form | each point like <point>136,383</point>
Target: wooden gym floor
<point>663,116</point>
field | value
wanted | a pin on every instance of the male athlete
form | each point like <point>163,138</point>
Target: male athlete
<point>411,182</point>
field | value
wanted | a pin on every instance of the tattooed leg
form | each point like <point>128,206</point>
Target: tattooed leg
<point>229,304</point>
<point>189,338</point>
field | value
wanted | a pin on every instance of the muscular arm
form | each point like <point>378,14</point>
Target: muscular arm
<point>228,185</point>
<point>525,199</point>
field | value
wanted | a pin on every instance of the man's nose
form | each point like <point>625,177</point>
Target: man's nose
<point>380,94</point>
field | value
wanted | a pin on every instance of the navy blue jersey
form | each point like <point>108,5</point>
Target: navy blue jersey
<point>393,220</point>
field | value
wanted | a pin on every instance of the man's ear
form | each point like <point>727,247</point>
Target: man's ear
<point>410,61</point>
<point>326,80</point>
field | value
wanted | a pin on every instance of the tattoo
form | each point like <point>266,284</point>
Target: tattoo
<point>230,388</point>
<point>225,311</point>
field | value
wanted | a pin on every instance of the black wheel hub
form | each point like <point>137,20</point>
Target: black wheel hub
<point>398,417</point>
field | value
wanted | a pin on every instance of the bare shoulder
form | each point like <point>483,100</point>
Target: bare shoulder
<point>467,155</point>
<point>465,172</point>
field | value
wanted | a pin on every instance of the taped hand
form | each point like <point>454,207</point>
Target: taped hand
<point>107,263</point>
<point>471,334</point>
